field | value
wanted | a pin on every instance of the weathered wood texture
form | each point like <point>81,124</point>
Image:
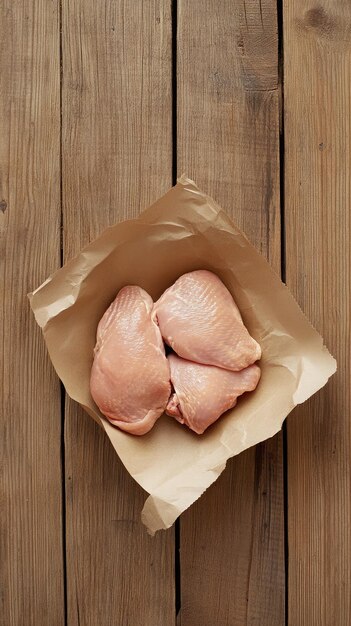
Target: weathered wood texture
<point>232,539</point>
<point>317,54</point>
<point>31,561</point>
<point>117,158</point>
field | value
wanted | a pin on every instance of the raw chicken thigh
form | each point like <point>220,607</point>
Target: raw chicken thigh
<point>130,377</point>
<point>199,319</point>
<point>203,392</point>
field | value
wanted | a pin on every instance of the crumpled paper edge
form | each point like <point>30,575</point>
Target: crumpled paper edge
<point>159,512</point>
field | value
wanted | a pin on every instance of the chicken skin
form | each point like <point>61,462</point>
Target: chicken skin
<point>203,392</point>
<point>130,377</point>
<point>200,321</point>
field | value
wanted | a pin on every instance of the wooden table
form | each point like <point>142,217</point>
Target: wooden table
<point>102,105</point>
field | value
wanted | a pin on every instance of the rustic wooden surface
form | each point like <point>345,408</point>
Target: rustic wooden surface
<point>317,209</point>
<point>232,539</point>
<point>101,104</point>
<point>31,556</point>
<point>116,159</point>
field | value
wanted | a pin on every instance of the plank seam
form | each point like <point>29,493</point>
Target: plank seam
<point>174,14</point>
<point>62,389</point>
<point>174,18</point>
<point>280,18</point>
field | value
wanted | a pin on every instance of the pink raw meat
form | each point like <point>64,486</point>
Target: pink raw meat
<point>203,392</point>
<point>130,378</point>
<point>199,319</point>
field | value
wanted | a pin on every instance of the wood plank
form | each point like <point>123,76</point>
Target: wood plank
<point>317,206</point>
<point>31,575</point>
<point>117,150</point>
<point>232,539</point>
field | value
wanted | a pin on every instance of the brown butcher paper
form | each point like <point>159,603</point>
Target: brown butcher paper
<point>184,230</point>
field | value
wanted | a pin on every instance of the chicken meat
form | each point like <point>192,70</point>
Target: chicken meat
<point>203,392</point>
<point>130,377</point>
<point>199,319</point>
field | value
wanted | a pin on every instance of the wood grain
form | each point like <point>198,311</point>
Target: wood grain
<point>117,150</point>
<point>31,570</point>
<point>317,205</point>
<point>116,159</point>
<point>232,539</point>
